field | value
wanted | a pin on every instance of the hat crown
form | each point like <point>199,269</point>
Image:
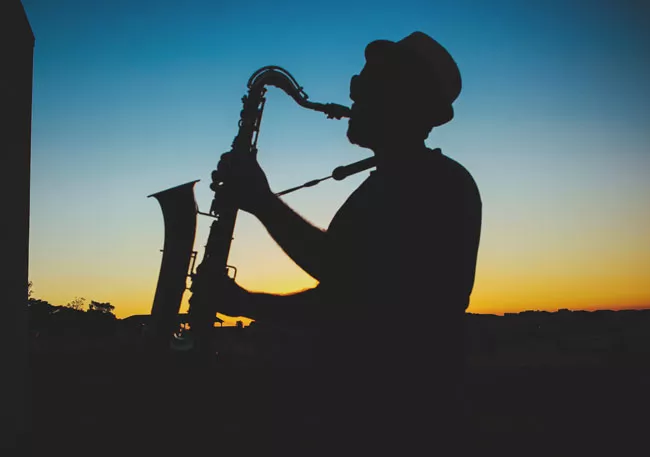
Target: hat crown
<point>437,60</point>
<point>433,66</point>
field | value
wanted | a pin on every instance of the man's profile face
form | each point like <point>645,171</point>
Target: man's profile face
<point>377,108</point>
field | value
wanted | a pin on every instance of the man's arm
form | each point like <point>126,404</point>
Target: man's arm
<point>302,241</point>
<point>298,308</point>
<point>250,190</point>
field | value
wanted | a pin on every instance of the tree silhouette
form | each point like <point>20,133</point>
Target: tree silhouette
<point>77,304</point>
<point>104,308</point>
<point>38,304</point>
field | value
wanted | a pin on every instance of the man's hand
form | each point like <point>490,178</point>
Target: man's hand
<point>244,181</point>
<point>234,300</point>
<point>219,293</point>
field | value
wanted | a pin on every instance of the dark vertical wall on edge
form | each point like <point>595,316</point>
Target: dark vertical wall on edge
<point>16,67</point>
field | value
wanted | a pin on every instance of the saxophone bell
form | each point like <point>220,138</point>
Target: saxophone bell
<point>179,214</point>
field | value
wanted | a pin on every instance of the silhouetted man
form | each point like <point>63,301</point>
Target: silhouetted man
<point>395,267</point>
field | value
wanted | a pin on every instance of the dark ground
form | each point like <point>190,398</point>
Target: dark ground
<point>522,399</point>
<point>133,405</point>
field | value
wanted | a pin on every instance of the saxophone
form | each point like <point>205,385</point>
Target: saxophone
<point>180,213</point>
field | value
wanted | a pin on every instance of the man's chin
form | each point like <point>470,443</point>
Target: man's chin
<point>357,139</point>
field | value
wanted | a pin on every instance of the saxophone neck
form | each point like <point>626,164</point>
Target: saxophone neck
<point>282,79</point>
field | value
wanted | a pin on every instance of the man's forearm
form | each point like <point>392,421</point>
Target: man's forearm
<point>299,307</point>
<point>302,241</point>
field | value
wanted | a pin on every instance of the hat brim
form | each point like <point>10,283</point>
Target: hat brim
<point>446,114</point>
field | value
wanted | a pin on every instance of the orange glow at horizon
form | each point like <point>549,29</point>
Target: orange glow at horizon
<point>494,293</point>
<point>520,268</point>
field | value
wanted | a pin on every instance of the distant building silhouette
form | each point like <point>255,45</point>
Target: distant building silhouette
<point>144,319</point>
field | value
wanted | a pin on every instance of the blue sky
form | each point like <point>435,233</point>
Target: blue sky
<point>131,98</point>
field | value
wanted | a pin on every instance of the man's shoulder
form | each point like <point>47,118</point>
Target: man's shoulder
<point>452,166</point>
<point>457,174</point>
<point>437,170</point>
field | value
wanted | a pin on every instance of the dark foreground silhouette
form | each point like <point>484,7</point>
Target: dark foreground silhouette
<point>537,384</point>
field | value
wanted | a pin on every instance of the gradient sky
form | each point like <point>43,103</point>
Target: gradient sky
<point>133,97</point>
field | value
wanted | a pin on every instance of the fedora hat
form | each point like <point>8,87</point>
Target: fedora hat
<point>432,68</point>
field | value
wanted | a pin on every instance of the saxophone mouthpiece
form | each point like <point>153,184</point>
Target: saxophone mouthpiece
<point>336,111</point>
